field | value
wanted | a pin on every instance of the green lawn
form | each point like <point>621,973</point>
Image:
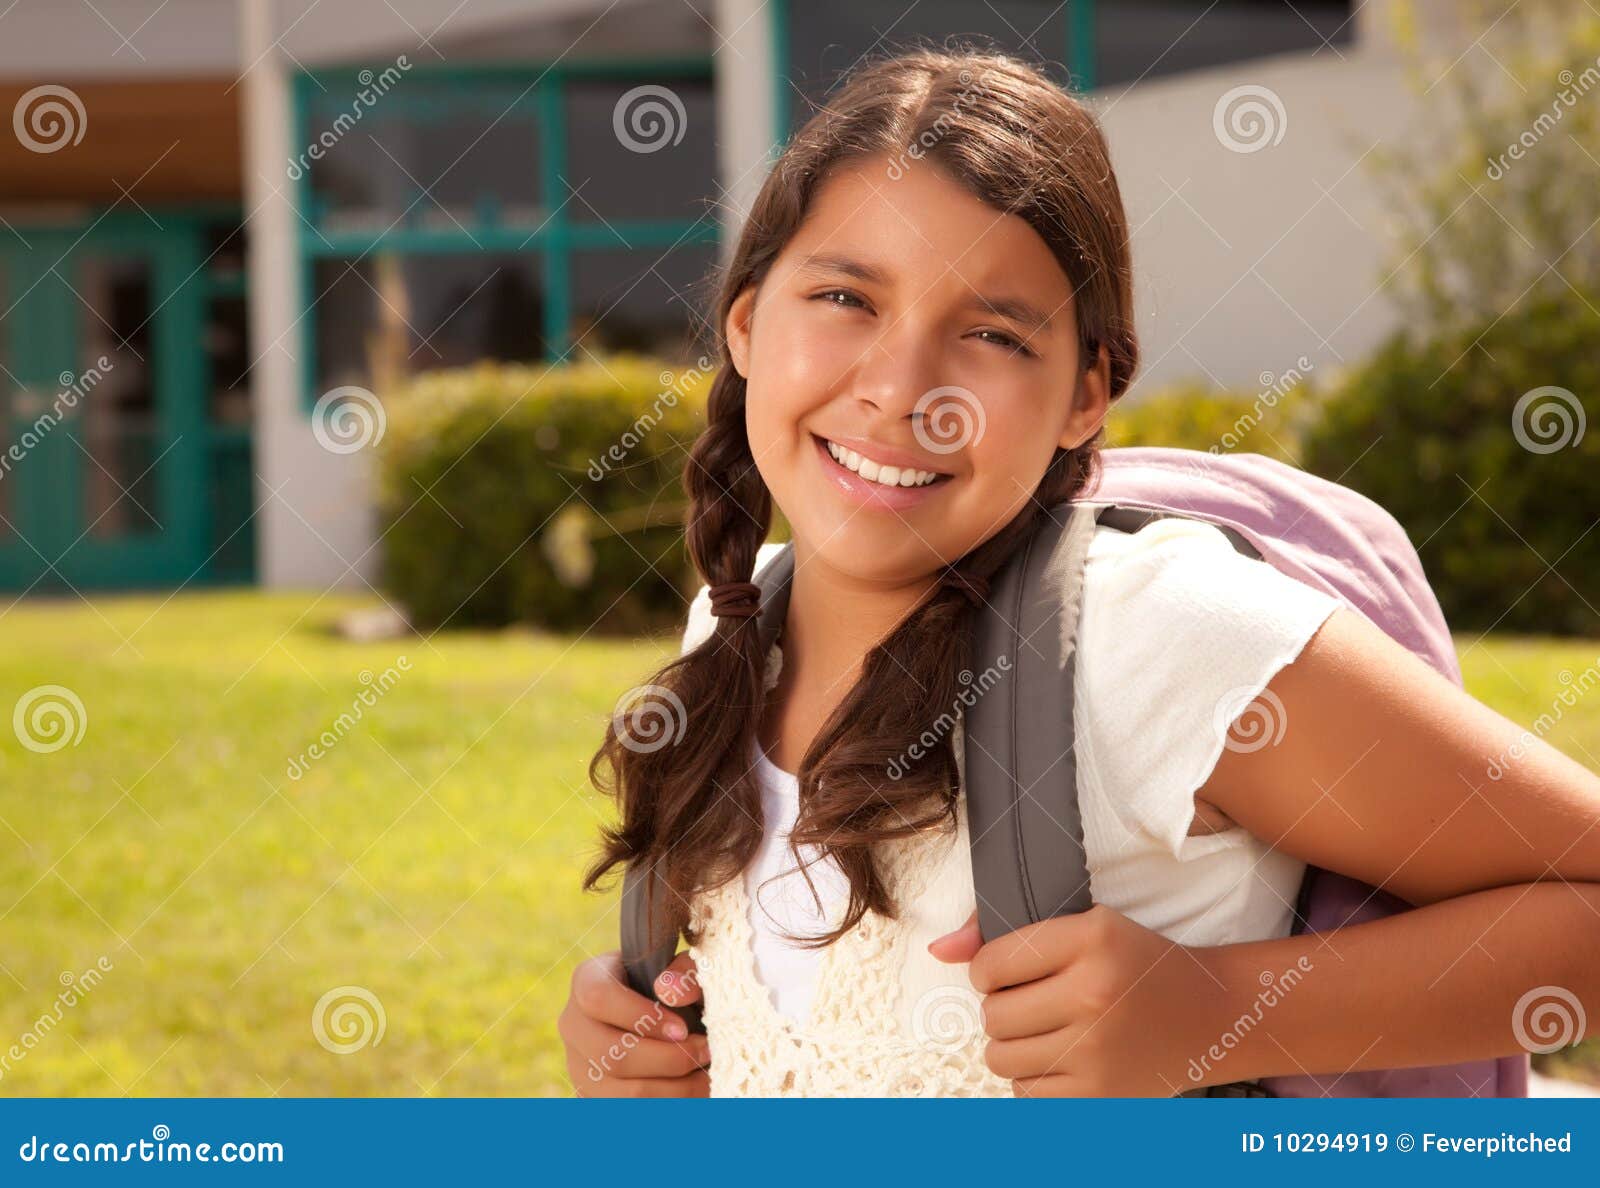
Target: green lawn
<point>431,856</point>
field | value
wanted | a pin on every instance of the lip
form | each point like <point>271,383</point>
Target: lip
<point>865,492</point>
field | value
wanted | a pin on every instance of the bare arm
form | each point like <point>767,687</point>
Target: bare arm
<point>1388,772</point>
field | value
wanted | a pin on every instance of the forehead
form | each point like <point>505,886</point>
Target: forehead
<point>924,229</point>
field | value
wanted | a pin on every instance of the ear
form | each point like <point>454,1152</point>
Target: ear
<point>740,316</point>
<point>1090,402</point>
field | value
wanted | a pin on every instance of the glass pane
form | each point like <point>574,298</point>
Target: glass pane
<point>467,308</point>
<point>387,316</point>
<point>232,500</point>
<point>828,37</point>
<point>638,149</point>
<point>343,303</point>
<point>117,426</point>
<point>427,153</point>
<point>1149,38</point>
<point>647,301</point>
<point>227,340</point>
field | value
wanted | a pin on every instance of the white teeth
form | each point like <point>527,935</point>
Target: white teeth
<point>889,476</point>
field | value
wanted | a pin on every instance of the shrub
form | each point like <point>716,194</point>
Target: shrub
<point>1194,416</point>
<point>544,495</point>
<point>1477,442</point>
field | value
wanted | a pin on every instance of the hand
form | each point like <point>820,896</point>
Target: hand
<point>621,1044</point>
<point>1091,1005</point>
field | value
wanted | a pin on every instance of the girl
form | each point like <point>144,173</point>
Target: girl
<point>926,318</point>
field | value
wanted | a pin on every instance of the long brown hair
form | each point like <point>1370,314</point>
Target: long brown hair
<point>690,809</point>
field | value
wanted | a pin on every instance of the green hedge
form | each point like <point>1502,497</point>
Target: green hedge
<point>541,495</point>
<point>1196,416</point>
<point>1431,431</point>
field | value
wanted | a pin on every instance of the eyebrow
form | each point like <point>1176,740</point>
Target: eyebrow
<point>1013,308</point>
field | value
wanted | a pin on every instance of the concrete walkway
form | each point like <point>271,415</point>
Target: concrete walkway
<point>1542,1086</point>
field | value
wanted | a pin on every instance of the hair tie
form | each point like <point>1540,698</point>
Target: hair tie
<point>736,600</point>
<point>974,587</point>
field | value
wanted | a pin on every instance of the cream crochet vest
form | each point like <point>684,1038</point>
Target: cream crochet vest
<point>888,1019</point>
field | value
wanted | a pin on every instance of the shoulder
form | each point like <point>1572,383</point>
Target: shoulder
<point>1178,633</point>
<point>1178,572</point>
<point>700,623</point>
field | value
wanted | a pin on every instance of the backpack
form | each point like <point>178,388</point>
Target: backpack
<point>1028,855</point>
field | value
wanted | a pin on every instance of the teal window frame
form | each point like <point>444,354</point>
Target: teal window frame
<point>556,239</point>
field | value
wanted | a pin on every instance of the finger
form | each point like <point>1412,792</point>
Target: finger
<point>1052,1086</point>
<point>695,1084</point>
<point>607,1052</point>
<point>1031,952</point>
<point>679,984</point>
<point>599,992</point>
<point>1032,1008</point>
<point>961,945</point>
<point>1028,1057</point>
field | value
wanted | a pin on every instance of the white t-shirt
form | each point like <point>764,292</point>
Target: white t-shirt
<point>1178,634</point>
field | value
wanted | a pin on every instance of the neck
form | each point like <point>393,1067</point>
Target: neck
<point>834,619</point>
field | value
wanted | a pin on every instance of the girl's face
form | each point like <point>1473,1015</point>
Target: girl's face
<point>927,332</point>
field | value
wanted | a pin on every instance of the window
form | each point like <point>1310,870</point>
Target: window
<point>503,213</point>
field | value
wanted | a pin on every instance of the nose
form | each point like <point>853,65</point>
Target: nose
<point>896,370</point>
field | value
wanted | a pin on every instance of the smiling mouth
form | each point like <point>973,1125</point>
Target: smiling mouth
<point>895,477</point>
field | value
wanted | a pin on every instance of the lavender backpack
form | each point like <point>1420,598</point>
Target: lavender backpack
<point>1028,859</point>
<point>1020,774</point>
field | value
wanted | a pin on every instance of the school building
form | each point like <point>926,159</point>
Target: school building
<point>215,213</point>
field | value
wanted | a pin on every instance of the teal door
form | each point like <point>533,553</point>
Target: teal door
<point>103,422</point>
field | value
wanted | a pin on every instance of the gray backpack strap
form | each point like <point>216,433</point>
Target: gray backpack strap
<point>1028,857</point>
<point>1021,775</point>
<point>649,942</point>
